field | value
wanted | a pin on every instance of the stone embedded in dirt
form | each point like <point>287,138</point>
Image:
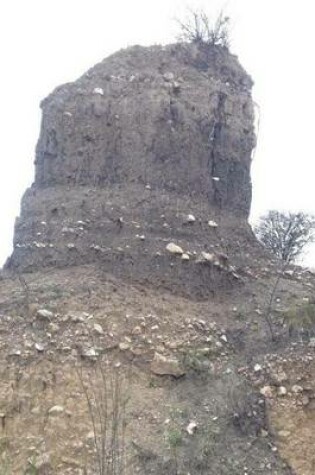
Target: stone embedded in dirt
<point>212,224</point>
<point>98,90</point>
<point>124,346</point>
<point>282,391</point>
<point>98,329</point>
<point>264,433</point>
<point>89,353</point>
<point>55,410</point>
<point>44,314</point>
<point>191,428</point>
<point>174,248</point>
<point>39,347</point>
<point>278,377</point>
<point>284,434</point>
<point>266,391</point>
<point>53,327</point>
<point>169,76</point>
<point>185,257</point>
<point>90,436</point>
<point>136,330</point>
<point>297,389</point>
<point>15,352</point>
<point>312,343</point>
<point>206,257</point>
<point>163,366</point>
<point>289,273</point>
<point>190,219</point>
<point>257,368</point>
<point>305,400</point>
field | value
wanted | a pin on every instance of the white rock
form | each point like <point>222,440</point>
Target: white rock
<point>185,257</point>
<point>15,353</point>
<point>257,368</point>
<point>90,353</point>
<point>215,178</point>
<point>39,347</point>
<point>206,256</point>
<point>44,314</point>
<point>98,329</point>
<point>282,391</point>
<point>212,224</point>
<point>174,249</point>
<point>98,90</point>
<point>55,410</point>
<point>191,428</point>
<point>190,218</point>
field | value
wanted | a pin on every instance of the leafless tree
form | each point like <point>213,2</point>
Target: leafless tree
<point>198,28</point>
<point>285,234</point>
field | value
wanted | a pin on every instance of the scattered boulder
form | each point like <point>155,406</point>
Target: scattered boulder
<point>44,314</point>
<point>191,428</point>
<point>163,366</point>
<point>98,329</point>
<point>174,249</point>
<point>282,391</point>
<point>55,410</point>
<point>190,219</point>
<point>266,391</point>
<point>205,257</point>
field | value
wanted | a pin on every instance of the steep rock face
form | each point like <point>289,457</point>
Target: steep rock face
<point>125,153</point>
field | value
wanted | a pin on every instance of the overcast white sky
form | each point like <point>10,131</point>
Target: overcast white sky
<point>44,43</point>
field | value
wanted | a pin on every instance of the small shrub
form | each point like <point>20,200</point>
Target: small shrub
<point>301,320</point>
<point>174,438</point>
<point>198,29</point>
<point>196,361</point>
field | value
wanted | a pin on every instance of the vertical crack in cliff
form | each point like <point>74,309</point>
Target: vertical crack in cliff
<point>219,121</point>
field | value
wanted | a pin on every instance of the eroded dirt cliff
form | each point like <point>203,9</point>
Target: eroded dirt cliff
<point>151,146</point>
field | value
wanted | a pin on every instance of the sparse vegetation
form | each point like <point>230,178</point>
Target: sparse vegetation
<point>174,439</point>
<point>300,320</point>
<point>198,28</point>
<point>106,396</point>
<point>285,234</point>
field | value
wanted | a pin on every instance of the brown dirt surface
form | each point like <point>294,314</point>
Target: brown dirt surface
<point>214,341</point>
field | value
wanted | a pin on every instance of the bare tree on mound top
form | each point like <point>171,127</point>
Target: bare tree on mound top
<point>285,234</point>
<point>199,29</point>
